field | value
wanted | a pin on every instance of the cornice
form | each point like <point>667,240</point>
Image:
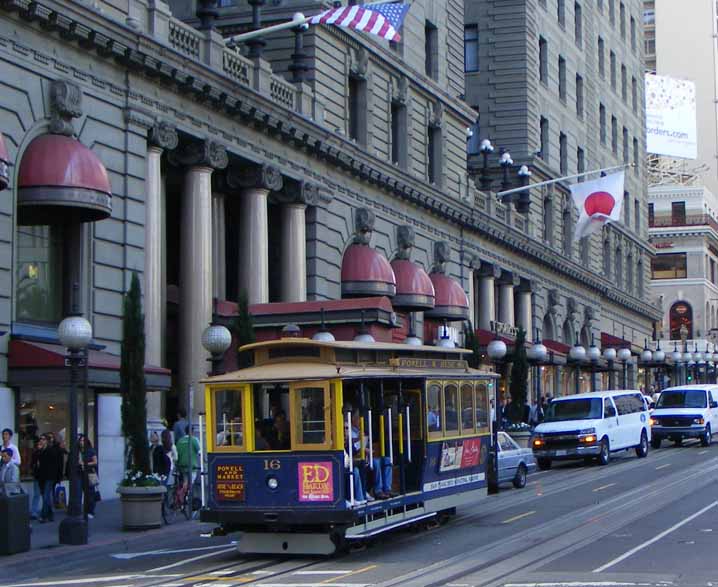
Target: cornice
<point>243,104</point>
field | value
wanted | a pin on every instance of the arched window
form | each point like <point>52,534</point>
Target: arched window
<point>547,328</point>
<point>681,315</point>
<point>548,220</point>
<point>619,268</point>
<point>567,228</point>
<point>607,258</point>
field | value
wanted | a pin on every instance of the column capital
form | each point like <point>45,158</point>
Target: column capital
<point>163,135</point>
<point>508,278</point>
<point>263,176</point>
<point>472,261</point>
<point>524,285</point>
<point>204,153</point>
<point>301,192</point>
<point>490,270</point>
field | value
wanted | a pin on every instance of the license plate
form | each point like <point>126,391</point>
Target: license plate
<point>561,453</point>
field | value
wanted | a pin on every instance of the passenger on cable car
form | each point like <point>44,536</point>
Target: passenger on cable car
<point>280,432</point>
<point>434,419</point>
<point>360,495</point>
<point>260,436</point>
<point>382,474</point>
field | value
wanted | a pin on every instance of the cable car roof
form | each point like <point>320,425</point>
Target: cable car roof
<point>353,345</point>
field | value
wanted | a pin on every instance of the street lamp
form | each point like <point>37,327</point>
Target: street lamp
<point>659,357</point>
<point>216,339</point>
<point>577,354</point>
<point>486,148</point>
<point>496,350</point>
<point>610,355</point>
<point>624,355</point>
<point>506,162</point>
<point>594,354</point>
<point>676,357</point>
<point>75,333</point>
<point>646,359</point>
<point>523,200</point>
<point>537,353</point>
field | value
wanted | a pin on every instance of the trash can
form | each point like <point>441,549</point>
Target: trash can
<point>14,523</point>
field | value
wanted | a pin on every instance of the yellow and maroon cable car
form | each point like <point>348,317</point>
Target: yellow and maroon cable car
<point>321,443</point>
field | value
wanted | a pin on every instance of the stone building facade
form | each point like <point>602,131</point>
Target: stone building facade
<point>252,170</point>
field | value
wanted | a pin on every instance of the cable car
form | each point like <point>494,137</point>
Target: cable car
<point>322,443</point>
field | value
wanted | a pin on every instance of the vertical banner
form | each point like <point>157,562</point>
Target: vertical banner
<point>316,481</point>
<point>671,127</point>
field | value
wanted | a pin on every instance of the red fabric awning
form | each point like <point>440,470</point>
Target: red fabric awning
<point>609,340</point>
<point>484,337</point>
<point>556,346</point>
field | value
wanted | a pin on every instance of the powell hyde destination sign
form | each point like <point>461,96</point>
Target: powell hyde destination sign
<point>411,363</point>
<point>229,482</point>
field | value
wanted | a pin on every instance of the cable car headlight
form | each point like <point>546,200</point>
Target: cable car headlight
<point>272,483</point>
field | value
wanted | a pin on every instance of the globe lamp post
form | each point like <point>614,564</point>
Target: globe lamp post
<point>577,354</point>
<point>216,339</point>
<point>624,355</point>
<point>610,355</point>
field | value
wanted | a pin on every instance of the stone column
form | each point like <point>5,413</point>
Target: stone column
<point>524,319</point>
<point>255,183</point>
<point>196,263</point>
<point>219,256</point>
<point>162,136</point>
<point>487,303</point>
<point>473,264</point>
<point>507,283</point>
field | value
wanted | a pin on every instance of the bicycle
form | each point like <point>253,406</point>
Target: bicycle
<point>176,500</point>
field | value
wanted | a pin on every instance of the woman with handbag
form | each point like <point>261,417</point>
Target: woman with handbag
<point>88,470</point>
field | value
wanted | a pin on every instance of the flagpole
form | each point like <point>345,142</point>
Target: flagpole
<point>552,181</point>
<point>297,20</point>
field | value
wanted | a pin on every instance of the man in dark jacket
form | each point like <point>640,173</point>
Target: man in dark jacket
<point>47,473</point>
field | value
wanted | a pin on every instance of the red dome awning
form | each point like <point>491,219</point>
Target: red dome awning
<point>366,272</point>
<point>451,301</point>
<point>4,163</point>
<point>60,179</point>
<point>414,290</point>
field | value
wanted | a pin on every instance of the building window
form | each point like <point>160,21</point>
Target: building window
<point>471,48</point>
<point>634,95</point>
<point>626,152</point>
<point>619,268</point>
<point>544,139</point>
<point>607,258</point>
<point>633,33</point>
<point>624,83</point>
<point>649,16</point>
<point>431,50</point>
<point>567,227</point>
<point>637,214</point>
<point>561,12</point>
<point>600,6</point>
<point>639,279</point>
<point>579,96</point>
<point>580,162</point>
<point>629,273</point>
<point>39,274</point>
<point>650,46</point>
<point>585,247</point>
<point>602,122</point>
<point>622,20</point>
<point>563,153</point>
<point>398,134</point>
<point>601,57</point>
<point>358,110</point>
<point>543,60</point>
<point>614,135</point>
<point>651,215</point>
<point>578,23</point>
<point>562,78</point>
<point>612,12</point>
<point>626,209</point>
<point>548,220</point>
<point>681,318</point>
<point>434,155</point>
<point>669,266</point>
<point>678,213</point>
<point>614,71</point>
<point>636,157</point>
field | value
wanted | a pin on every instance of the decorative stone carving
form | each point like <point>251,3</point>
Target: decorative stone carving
<point>442,255</point>
<point>65,104</point>
<point>207,153</point>
<point>553,302</point>
<point>163,135</point>
<point>400,90</point>
<point>298,192</point>
<point>359,63</point>
<point>489,270</point>
<point>436,117</point>
<point>255,176</point>
<point>364,220</point>
<point>309,194</point>
<point>405,237</point>
<point>473,262</point>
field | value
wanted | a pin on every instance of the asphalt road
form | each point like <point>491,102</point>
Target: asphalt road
<point>637,522</point>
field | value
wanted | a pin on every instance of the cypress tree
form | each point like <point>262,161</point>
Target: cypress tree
<point>472,344</point>
<point>244,329</point>
<point>132,379</point>
<point>519,377</point>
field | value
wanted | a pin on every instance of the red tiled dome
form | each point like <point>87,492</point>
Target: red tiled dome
<point>451,301</point>
<point>59,179</point>
<point>365,272</point>
<point>4,162</point>
<point>414,290</point>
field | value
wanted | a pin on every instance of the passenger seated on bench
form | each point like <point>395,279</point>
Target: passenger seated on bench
<point>360,494</point>
<point>382,474</point>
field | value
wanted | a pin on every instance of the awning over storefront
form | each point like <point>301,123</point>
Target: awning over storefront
<point>366,272</point>
<point>43,364</point>
<point>451,302</point>
<point>609,340</point>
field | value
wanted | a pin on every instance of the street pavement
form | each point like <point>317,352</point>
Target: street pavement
<point>637,522</point>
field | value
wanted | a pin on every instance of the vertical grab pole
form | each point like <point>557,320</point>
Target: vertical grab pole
<point>371,443</point>
<point>408,436</point>
<point>350,450</point>
<point>391,447</point>
<point>201,460</point>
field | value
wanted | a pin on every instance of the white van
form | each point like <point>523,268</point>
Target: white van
<point>688,411</point>
<point>592,426</point>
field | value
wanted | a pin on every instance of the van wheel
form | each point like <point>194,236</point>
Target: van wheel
<point>544,464</point>
<point>656,442</point>
<point>678,441</point>
<point>642,448</point>
<point>605,455</point>
<point>707,436</point>
<point>520,479</point>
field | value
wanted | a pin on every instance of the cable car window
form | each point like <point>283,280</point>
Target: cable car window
<point>433,416</point>
<point>310,411</point>
<point>451,409</point>
<point>483,409</point>
<point>228,419</point>
<point>271,423</point>
<point>467,408</point>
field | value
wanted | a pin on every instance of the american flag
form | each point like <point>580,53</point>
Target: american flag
<point>383,20</point>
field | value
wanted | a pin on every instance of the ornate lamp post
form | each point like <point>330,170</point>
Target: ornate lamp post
<point>524,198</point>
<point>594,354</point>
<point>676,357</point>
<point>659,357</point>
<point>75,333</point>
<point>216,339</point>
<point>610,355</point>
<point>537,354</point>
<point>646,359</point>
<point>578,355</point>
<point>496,350</point>
<point>486,149</point>
<point>624,356</point>
<point>506,162</point>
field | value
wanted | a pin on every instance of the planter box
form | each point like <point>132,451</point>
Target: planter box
<point>521,437</point>
<point>141,507</point>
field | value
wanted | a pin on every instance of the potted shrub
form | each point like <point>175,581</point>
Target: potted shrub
<point>519,430</point>
<point>141,493</point>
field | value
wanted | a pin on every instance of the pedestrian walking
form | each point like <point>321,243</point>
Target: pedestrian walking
<point>180,425</point>
<point>187,458</point>
<point>88,473</point>
<point>36,507</point>
<point>162,457</point>
<point>154,445</point>
<point>9,471</point>
<point>48,474</point>
<point>7,443</point>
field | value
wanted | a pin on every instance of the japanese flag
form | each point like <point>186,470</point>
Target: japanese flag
<point>598,202</point>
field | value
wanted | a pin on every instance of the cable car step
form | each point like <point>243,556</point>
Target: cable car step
<point>391,526</point>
